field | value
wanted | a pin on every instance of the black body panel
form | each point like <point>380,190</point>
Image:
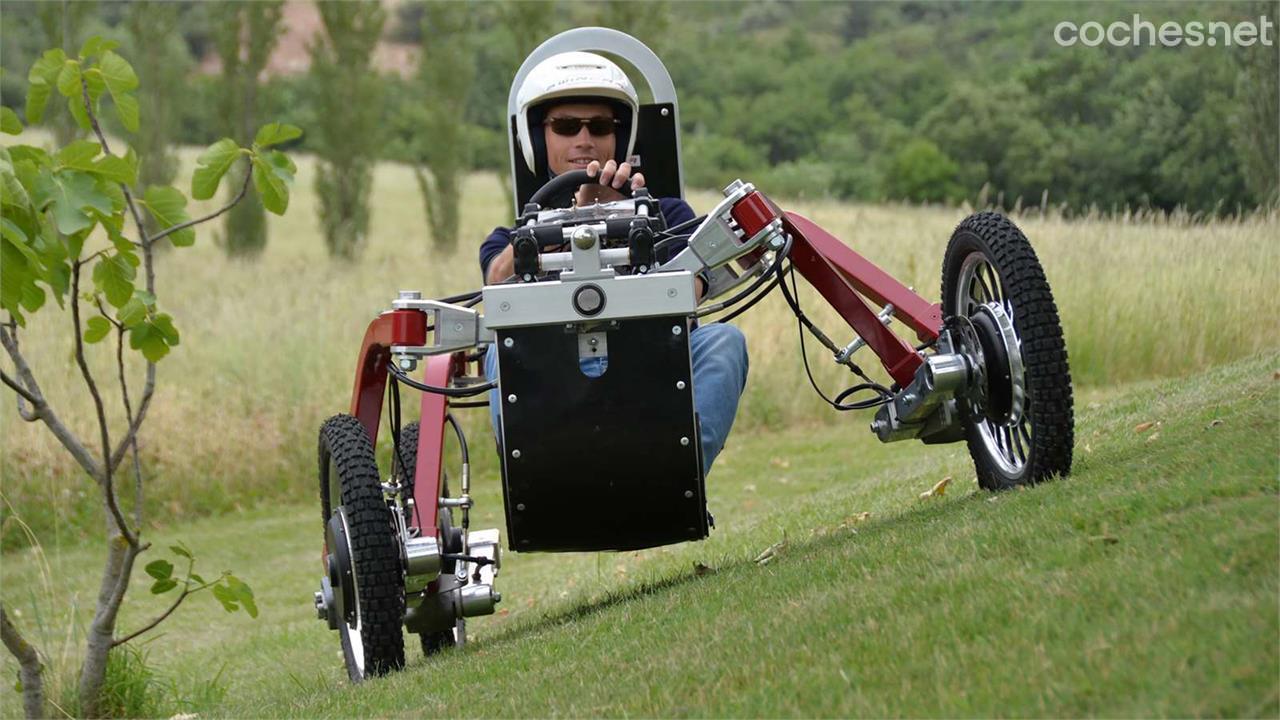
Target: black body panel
<point>601,465</point>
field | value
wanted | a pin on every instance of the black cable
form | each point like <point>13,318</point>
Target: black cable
<point>399,374</point>
<point>883,394</point>
<point>462,439</point>
<point>393,419</point>
<point>751,303</point>
<point>675,229</point>
<point>773,269</point>
<point>480,561</point>
<point>470,404</point>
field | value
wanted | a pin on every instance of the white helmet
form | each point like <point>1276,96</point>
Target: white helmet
<point>573,75</point>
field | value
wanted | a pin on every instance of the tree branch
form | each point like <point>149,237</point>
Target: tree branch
<point>132,437</point>
<point>44,411</point>
<point>106,477</point>
<point>23,394</point>
<point>27,415</point>
<point>186,591</point>
<point>29,665</point>
<point>244,188</point>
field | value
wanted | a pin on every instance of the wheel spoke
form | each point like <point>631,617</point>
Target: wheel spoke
<point>986,291</point>
<point>1016,433</point>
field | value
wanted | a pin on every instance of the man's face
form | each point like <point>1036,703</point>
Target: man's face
<point>565,153</point>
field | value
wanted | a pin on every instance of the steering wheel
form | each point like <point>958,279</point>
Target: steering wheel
<point>562,188</point>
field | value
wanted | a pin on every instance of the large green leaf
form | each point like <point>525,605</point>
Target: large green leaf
<point>71,193</point>
<point>118,74</point>
<point>115,169</point>
<point>113,275</point>
<point>271,188</point>
<point>40,82</point>
<point>133,312</point>
<point>212,164</point>
<point>145,337</point>
<point>161,587</point>
<point>168,206</point>
<point>163,324</point>
<point>69,79</point>
<point>226,597</point>
<point>9,122</point>
<point>37,99</point>
<point>79,154</point>
<point>126,109</point>
<point>97,45</point>
<point>75,105</point>
<point>276,133</point>
<point>96,329</point>
<point>12,193</point>
<point>112,190</point>
<point>242,592</point>
<point>160,569</point>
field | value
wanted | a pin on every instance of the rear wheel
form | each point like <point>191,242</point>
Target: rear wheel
<point>1019,416</point>
<point>440,640</point>
<point>361,551</point>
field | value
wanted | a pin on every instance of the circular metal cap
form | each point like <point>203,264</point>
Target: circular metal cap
<point>588,300</point>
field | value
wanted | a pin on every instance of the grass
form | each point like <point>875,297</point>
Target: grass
<point>268,346</point>
<point>1146,584</point>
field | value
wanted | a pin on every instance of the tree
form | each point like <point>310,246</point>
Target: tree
<point>921,172</point>
<point>53,202</point>
<point>1256,125</point>
<point>244,34</point>
<point>347,93</point>
<point>444,78</point>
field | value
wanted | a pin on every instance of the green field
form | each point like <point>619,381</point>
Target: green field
<point>1144,584</point>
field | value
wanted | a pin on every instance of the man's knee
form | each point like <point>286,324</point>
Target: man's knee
<point>724,344</point>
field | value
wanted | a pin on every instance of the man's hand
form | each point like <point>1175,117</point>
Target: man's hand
<point>612,176</point>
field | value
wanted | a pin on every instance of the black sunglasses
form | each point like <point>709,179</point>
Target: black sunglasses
<point>570,126</point>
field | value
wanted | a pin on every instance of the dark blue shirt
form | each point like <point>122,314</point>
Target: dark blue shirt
<point>674,211</point>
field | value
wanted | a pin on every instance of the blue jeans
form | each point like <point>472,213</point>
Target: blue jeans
<point>719,376</point>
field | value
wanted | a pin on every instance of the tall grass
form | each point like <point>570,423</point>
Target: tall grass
<point>268,346</point>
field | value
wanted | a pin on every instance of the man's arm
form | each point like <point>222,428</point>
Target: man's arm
<point>501,267</point>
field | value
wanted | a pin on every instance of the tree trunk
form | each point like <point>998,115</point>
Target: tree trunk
<point>29,667</point>
<point>115,581</point>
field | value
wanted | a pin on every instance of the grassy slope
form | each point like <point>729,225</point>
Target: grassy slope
<point>1146,584</point>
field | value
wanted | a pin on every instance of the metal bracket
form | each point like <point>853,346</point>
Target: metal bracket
<point>454,327</point>
<point>843,357</point>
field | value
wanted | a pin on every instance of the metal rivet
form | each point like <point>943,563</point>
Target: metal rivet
<point>457,327</point>
<point>505,306</point>
<point>515,453</point>
<point>675,330</point>
<point>679,384</point>
<point>688,493</point>
<point>520,506</point>
<point>511,398</point>
<point>666,112</point>
<point>671,292</point>
<point>508,342</point>
<point>684,441</point>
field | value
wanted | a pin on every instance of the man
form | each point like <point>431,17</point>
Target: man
<point>574,108</point>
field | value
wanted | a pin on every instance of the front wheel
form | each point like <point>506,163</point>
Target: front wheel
<point>1019,416</point>
<point>361,551</point>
